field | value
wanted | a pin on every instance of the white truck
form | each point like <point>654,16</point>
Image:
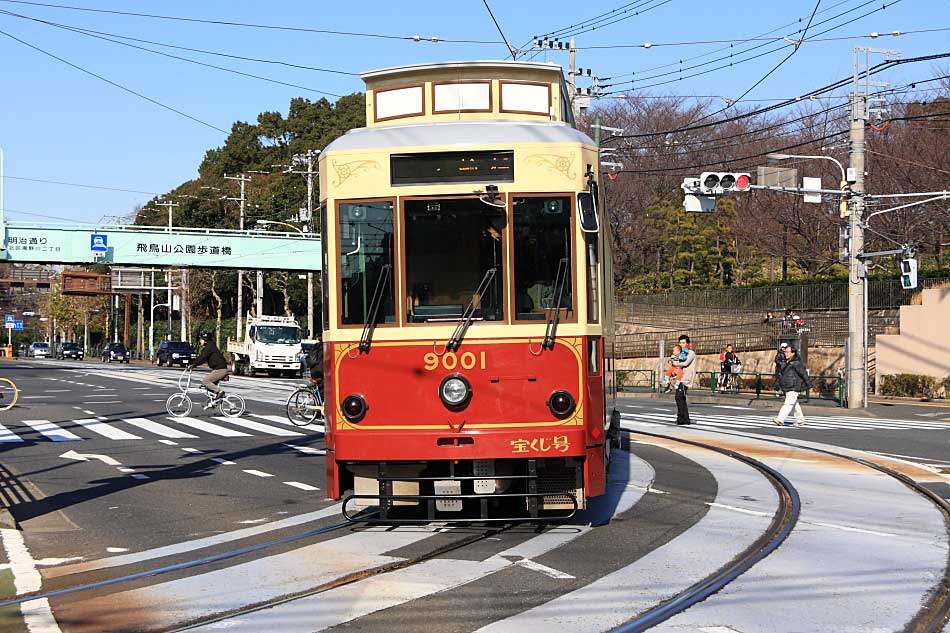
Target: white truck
<point>271,344</point>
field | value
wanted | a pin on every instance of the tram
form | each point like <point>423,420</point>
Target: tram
<point>467,302</point>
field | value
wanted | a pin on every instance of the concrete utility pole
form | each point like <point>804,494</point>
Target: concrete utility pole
<point>857,350</point>
<point>310,173</point>
<point>169,206</point>
<point>183,299</point>
<point>242,178</point>
<point>573,73</point>
<point>260,294</point>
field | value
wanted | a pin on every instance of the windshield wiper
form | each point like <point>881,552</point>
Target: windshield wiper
<point>560,279</point>
<point>456,341</point>
<point>366,338</point>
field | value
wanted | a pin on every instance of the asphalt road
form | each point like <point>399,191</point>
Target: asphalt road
<point>105,484</point>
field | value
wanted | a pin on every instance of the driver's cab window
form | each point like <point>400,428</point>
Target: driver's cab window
<point>454,260</point>
<point>542,251</point>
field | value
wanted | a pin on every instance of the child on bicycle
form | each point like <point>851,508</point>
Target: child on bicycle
<point>673,374</point>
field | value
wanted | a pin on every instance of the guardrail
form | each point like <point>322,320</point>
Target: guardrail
<point>756,386</point>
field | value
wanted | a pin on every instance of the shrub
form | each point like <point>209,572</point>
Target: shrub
<point>910,386</point>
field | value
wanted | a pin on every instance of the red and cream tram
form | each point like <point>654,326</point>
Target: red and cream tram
<point>468,326</point>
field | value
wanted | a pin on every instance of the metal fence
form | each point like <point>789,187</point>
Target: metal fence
<point>882,294</point>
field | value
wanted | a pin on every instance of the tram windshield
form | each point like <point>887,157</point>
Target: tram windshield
<point>450,245</point>
<point>542,239</point>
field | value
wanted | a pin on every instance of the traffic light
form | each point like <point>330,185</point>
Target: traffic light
<point>908,273</point>
<point>711,182</point>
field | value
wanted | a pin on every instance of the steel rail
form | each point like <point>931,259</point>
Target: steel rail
<point>933,615</point>
<point>784,519</point>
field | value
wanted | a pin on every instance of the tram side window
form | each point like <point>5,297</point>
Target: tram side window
<point>542,248</point>
<point>366,248</point>
<point>452,245</point>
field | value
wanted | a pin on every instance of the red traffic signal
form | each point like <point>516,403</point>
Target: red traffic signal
<point>712,183</point>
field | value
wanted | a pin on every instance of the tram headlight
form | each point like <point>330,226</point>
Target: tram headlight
<point>561,403</point>
<point>353,408</point>
<point>455,391</point>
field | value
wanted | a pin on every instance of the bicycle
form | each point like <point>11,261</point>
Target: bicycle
<point>9,393</point>
<point>179,404</point>
<point>305,405</point>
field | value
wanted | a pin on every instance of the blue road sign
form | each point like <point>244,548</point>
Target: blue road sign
<point>17,325</point>
<point>98,243</point>
<point>10,318</point>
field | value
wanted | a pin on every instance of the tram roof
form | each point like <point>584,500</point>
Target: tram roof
<point>467,65</point>
<point>459,133</point>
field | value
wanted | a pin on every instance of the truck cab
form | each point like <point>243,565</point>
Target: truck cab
<point>271,344</point>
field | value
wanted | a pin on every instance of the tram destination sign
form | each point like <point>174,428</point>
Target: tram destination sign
<point>452,167</point>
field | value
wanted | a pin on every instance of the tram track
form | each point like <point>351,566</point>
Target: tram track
<point>933,615</point>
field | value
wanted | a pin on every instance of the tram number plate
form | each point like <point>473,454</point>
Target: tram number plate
<point>448,487</point>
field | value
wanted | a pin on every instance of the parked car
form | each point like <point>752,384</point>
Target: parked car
<point>69,350</point>
<point>174,353</point>
<point>306,347</point>
<point>38,350</point>
<point>115,352</point>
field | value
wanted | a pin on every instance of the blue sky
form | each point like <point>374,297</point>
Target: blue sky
<point>57,123</point>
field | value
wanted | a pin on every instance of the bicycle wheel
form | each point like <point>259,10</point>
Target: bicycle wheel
<point>302,407</point>
<point>178,404</point>
<point>8,394</point>
<point>231,405</point>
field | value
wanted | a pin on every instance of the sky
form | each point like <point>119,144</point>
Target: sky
<point>58,123</point>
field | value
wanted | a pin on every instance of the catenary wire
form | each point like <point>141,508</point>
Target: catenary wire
<point>85,186</point>
<point>511,50</point>
<point>275,27</point>
<point>114,84</point>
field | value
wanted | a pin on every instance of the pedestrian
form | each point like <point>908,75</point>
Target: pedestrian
<point>769,317</point>
<point>727,361</point>
<point>780,362</point>
<point>788,323</point>
<point>689,376</point>
<point>793,380</point>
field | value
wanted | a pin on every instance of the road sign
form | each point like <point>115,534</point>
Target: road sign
<point>9,318</point>
<point>810,185</point>
<point>99,243</point>
<point>17,325</point>
<point>9,325</point>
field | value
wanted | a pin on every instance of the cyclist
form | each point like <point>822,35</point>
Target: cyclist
<point>219,368</point>
<point>727,360</point>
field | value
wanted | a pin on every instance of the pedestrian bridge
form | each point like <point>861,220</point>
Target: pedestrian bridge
<point>54,243</point>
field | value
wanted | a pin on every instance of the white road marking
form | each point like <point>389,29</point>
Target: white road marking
<point>724,406</point>
<point>257,426</point>
<point>6,435</point>
<point>922,459</point>
<point>252,521</point>
<point>207,427</point>
<point>56,390</point>
<point>193,451</point>
<point>544,569</point>
<point>53,432</point>
<point>848,529</point>
<point>139,476</point>
<point>158,429</point>
<point>37,397</point>
<point>307,450</point>
<point>87,412</point>
<point>313,427</point>
<point>719,629</point>
<point>37,614</point>
<point>85,457</point>
<point>116,550</point>
<point>126,470</point>
<point>713,504</point>
<point>168,442</point>
<point>258,473</point>
<point>297,484</point>
<point>223,462</point>
<point>104,402</point>
<point>105,430</point>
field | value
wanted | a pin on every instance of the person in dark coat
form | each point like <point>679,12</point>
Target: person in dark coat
<point>793,380</point>
<point>219,368</point>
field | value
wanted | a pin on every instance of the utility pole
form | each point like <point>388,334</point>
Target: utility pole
<point>573,72</point>
<point>169,206</point>
<point>856,361</point>
<point>260,294</point>
<point>310,173</point>
<point>242,178</point>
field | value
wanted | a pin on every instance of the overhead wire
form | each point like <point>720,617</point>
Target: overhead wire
<point>190,49</point>
<point>85,186</point>
<point>412,38</point>
<point>113,83</point>
<point>176,57</point>
<point>511,50</point>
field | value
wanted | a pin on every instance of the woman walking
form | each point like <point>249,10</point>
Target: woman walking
<point>793,380</point>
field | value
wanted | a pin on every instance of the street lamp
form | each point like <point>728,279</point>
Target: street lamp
<point>778,157</point>
<point>151,328</point>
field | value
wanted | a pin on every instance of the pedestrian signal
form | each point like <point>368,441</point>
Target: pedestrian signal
<point>908,273</point>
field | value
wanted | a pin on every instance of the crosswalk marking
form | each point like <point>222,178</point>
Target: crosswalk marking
<point>158,429</point>
<point>822,422</point>
<point>318,428</point>
<point>105,430</point>
<point>7,435</point>
<point>208,427</point>
<point>257,426</point>
<point>50,430</point>
<point>301,486</point>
